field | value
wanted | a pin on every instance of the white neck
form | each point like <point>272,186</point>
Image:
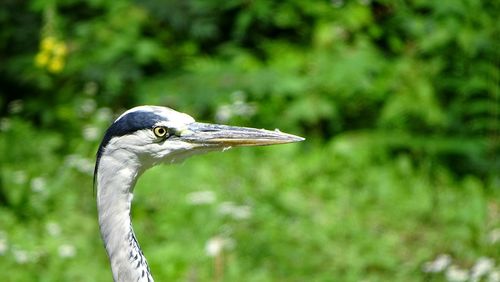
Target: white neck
<point>114,198</point>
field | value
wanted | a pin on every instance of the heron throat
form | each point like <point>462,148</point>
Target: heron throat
<point>115,179</point>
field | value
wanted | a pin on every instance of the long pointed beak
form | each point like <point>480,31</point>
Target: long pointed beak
<point>225,135</point>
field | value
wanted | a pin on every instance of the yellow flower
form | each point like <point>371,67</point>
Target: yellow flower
<point>60,49</point>
<point>51,55</point>
<point>41,59</point>
<point>56,65</point>
<point>48,43</point>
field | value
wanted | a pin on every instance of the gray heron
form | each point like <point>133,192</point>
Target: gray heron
<point>139,139</point>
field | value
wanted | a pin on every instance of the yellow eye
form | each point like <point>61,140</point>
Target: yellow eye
<point>160,131</point>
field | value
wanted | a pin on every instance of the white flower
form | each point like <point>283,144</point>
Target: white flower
<point>482,267</point>
<point>214,246</point>
<point>88,106</point>
<point>85,166</point>
<point>494,236</point>
<point>53,229</point>
<point>242,212</point>
<point>337,3</point>
<point>5,124</point>
<point>16,106</point>
<point>437,265</point>
<point>91,133</point>
<point>235,211</point>
<point>67,251</point>
<point>81,164</point>
<point>217,244</point>
<point>238,107</point>
<point>38,184</point>
<point>104,114</point>
<point>243,108</point>
<point>455,274</point>
<point>201,198</point>
<point>494,276</point>
<point>21,256</point>
<point>223,113</point>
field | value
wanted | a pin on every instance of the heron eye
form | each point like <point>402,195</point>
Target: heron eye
<point>160,131</point>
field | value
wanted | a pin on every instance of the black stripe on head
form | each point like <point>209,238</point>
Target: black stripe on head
<point>127,124</point>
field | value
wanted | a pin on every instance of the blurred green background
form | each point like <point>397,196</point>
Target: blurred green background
<point>398,179</point>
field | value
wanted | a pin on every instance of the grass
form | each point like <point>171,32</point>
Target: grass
<point>308,212</point>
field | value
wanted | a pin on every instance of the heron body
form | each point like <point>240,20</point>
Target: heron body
<point>139,139</point>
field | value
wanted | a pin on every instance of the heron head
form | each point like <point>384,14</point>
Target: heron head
<point>153,135</point>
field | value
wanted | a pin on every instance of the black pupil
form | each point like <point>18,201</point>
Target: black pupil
<point>161,131</point>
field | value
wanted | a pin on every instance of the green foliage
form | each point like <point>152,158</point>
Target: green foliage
<point>398,100</point>
<point>361,216</point>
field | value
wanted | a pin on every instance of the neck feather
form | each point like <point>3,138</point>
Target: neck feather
<point>116,177</point>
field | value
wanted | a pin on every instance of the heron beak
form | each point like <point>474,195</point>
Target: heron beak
<point>225,135</point>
